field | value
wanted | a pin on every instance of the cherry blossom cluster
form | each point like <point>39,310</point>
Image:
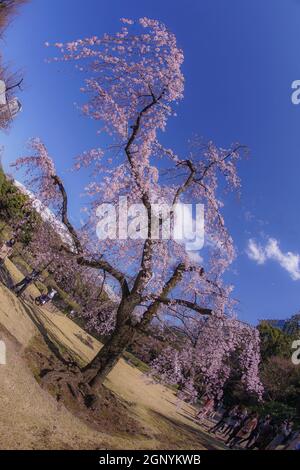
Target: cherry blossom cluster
<point>204,362</point>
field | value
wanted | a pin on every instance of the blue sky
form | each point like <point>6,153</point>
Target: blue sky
<point>240,60</point>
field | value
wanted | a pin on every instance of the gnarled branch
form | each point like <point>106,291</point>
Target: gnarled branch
<point>97,263</point>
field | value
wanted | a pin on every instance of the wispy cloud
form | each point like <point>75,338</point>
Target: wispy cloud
<point>271,251</point>
<point>256,252</point>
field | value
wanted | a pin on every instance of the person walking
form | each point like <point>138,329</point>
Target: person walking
<point>251,439</point>
<point>206,408</point>
<point>45,298</point>
<point>6,250</point>
<point>265,436</point>
<point>285,431</point>
<point>217,409</point>
<point>220,425</point>
<point>233,423</point>
<point>243,418</point>
<point>51,295</point>
<point>245,431</point>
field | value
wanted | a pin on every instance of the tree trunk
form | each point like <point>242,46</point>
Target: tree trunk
<point>108,356</point>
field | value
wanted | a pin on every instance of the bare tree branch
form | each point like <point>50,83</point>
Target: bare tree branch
<point>185,303</point>
<point>168,287</point>
<point>97,263</point>
<point>145,271</point>
<point>15,85</point>
<point>188,182</point>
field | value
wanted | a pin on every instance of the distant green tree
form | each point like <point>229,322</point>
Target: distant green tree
<point>274,342</point>
<point>281,379</point>
<point>11,200</point>
<point>14,210</point>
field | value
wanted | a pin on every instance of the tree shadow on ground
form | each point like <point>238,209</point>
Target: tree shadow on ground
<point>7,281</point>
<point>40,326</point>
<point>194,435</point>
<point>5,277</point>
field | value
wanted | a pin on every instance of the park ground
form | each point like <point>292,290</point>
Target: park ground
<point>31,418</point>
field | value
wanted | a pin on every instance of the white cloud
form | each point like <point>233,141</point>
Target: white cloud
<point>289,261</point>
<point>256,252</point>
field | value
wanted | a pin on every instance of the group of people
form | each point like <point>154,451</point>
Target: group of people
<point>240,427</point>
<point>18,288</point>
